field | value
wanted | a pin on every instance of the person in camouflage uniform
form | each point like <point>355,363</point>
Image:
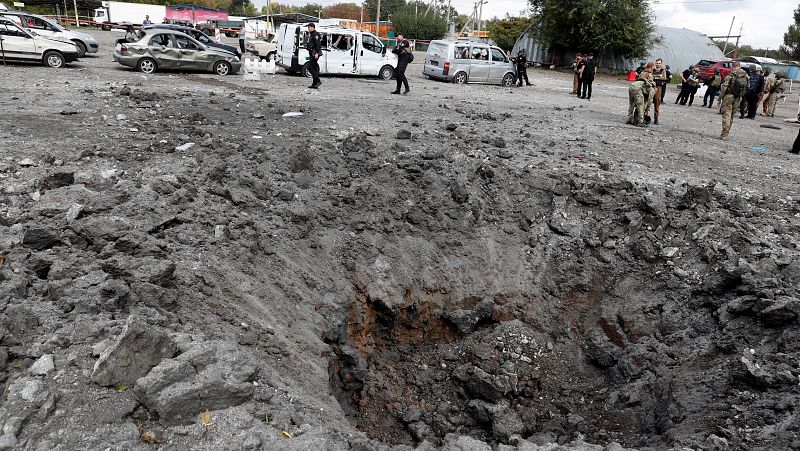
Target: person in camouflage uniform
<point>776,91</point>
<point>731,93</point>
<point>640,96</point>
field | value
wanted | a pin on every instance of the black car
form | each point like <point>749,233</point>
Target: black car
<point>197,34</point>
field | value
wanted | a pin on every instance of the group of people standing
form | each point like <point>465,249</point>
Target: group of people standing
<point>585,70</point>
<point>648,89</point>
<point>738,90</point>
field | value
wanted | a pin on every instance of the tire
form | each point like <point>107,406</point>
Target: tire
<point>222,68</point>
<point>508,80</point>
<point>386,72</point>
<point>105,28</point>
<point>460,78</point>
<point>53,59</point>
<point>305,71</point>
<point>81,48</point>
<point>146,65</point>
<point>271,56</point>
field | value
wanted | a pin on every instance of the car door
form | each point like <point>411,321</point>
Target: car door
<point>191,54</point>
<point>369,55</point>
<point>341,56</point>
<point>15,43</point>
<point>498,65</point>
<point>162,49</point>
<point>479,64</point>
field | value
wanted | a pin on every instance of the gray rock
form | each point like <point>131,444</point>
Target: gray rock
<point>138,349</point>
<point>715,443</point>
<point>780,311</point>
<point>40,239</point>
<point>506,424</point>
<point>211,375</point>
<point>403,134</point>
<point>43,366</point>
<point>455,442</point>
<point>56,180</point>
<point>600,351</point>
<point>8,442</point>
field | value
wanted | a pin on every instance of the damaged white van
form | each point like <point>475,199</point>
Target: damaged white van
<point>344,51</point>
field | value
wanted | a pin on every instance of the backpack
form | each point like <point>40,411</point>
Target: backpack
<point>410,57</point>
<point>738,86</point>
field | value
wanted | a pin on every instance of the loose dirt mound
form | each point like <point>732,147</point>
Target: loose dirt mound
<point>196,285</point>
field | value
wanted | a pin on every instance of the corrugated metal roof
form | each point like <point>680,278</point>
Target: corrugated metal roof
<point>679,48</point>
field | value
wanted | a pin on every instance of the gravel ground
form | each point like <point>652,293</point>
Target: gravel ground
<point>466,267</point>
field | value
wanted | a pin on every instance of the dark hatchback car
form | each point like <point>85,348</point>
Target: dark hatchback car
<point>198,35</point>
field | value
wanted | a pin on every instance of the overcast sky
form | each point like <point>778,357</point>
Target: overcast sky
<point>763,21</point>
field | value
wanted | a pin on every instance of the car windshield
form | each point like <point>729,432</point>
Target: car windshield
<point>705,63</point>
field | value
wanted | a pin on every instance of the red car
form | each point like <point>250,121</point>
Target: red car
<point>707,68</point>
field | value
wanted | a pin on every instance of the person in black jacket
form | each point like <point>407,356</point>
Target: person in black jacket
<point>522,67</point>
<point>403,52</point>
<point>314,47</point>
<point>588,71</point>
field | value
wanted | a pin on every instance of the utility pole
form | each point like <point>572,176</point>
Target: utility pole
<point>75,4</point>
<point>480,20</point>
<point>725,48</point>
<point>378,20</point>
<point>736,49</point>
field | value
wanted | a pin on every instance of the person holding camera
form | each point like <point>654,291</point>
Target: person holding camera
<point>404,57</point>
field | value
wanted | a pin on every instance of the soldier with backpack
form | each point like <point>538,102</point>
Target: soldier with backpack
<point>730,96</point>
<point>776,91</point>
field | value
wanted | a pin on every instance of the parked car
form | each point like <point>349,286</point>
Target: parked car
<point>708,67</point>
<point>19,44</point>
<point>46,27</point>
<point>198,35</point>
<point>264,47</point>
<point>344,51</point>
<point>159,49</point>
<point>468,62</point>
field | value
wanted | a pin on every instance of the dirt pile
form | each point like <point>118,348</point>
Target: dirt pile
<point>258,282</point>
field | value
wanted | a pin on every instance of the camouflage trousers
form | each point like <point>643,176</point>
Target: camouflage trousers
<point>772,103</point>
<point>635,106</point>
<point>729,105</point>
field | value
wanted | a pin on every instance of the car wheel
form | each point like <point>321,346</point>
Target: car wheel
<point>508,80</point>
<point>53,59</point>
<point>271,56</point>
<point>386,73</point>
<point>305,71</point>
<point>81,48</point>
<point>105,28</point>
<point>146,65</point>
<point>460,78</point>
<point>222,68</point>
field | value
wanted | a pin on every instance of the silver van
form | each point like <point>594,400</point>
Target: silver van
<point>468,62</point>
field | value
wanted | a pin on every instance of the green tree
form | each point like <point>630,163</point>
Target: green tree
<point>791,39</point>
<point>388,7</point>
<point>413,22</point>
<point>350,11</point>
<point>505,32</point>
<point>624,26</point>
<point>310,9</point>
